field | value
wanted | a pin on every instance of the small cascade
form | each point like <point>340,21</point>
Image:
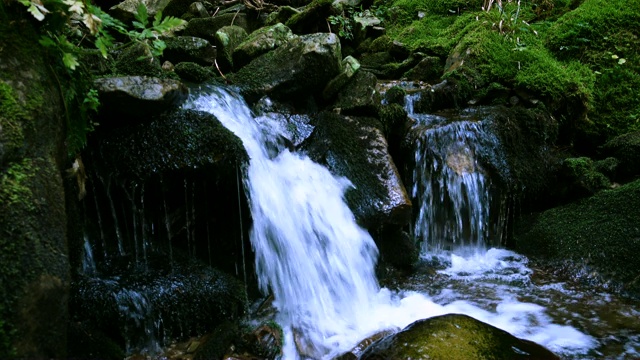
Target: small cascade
<point>459,205</point>
<point>88,262</point>
<point>140,331</point>
<point>310,253</point>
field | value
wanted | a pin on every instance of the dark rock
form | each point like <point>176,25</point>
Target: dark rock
<point>219,342</point>
<point>355,147</point>
<point>183,139</point>
<point>186,297</point>
<point>198,10</point>
<point>359,95</point>
<point>294,71</point>
<point>455,336</point>
<point>265,341</point>
<point>189,49</point>
<point>86,342</point>
<point>140,95</point>
<point>261,41</point>
<point>207,28</point>
<point>364,344</point>
<point>227,39</point>
<point>349,68</point>
<point>193,72</point>
<point>625,148</point>
<point>582,178</point>
<point>395,95</point>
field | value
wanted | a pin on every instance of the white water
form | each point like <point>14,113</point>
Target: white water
<point>320,265</point>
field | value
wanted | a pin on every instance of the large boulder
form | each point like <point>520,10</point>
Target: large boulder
<point>207,28</point>
<point>599,236</point>
<point>294,71</point>
<point>127,10</point>
<point>261,41</point>
<point>140,95</point>
<point>455,336</point>
<point>179,140</point>
<point>625,148</point>
<point>356,148</point>
<point>34,265</point>
<point>227,39</point>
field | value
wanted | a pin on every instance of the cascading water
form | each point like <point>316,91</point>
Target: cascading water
<point>310,253</point>
<point>320,265</point>
<point>452,190</point>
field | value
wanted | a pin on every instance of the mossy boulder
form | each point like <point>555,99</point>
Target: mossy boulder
<point>455,336</point>
<point>192,72</point>
<point>34,265</point>
<point>137,60</point>
<point>127,9</point>
<point>227,39</point>
<point>626,149</point>
<point>600,233</point>
<point>358,96</point>
<point>294,71</point>
<point>261,41</point>
<point>189,49</point>
<point>583,179</point>
<point>312,18</point>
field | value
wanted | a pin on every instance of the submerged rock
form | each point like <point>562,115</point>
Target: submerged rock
<point>140,95</point>
<point>455,336</point>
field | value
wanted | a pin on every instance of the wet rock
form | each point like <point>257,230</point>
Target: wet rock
<point>227,39</point>
<point>140,95</point>
<point>581,178</point>
<point>189,49</point>
<point>168,301</point>
<point>198,10</point>
<point>355,147</point>
<point>455,336</point>
<point>207,28</point>
<point>294,71</point>
<point>364,344</point>
<point>86,342</point>
<point>625,148</point>
<point>359,95</point>
<point>261,41</point>
<point>181,140</point>
<point>265,341</point>
<point>219,342</point>
<point>126,10</point>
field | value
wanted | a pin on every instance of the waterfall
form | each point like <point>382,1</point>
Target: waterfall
<point>309,251</point>
<point>452,189</point>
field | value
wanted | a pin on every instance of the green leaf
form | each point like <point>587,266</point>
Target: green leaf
<point>139,25</point>
<point>142,16</point>
<point>103,43</point>
<point>47,41</point>
<point>70,61</point>
<point>157,19</point>
<point>168,24</point>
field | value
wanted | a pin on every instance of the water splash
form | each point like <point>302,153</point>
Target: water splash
<point>309,250</point>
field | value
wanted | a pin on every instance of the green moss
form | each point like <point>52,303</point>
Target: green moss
<point>12,116</point>
<point>601,232</point>
<point>583,172</point>
<point>600,33</point>
<point>454,336</point>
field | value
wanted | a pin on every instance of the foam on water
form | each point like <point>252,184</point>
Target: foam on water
<point>319,263</point>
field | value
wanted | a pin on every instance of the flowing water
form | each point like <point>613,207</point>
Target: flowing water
<point>319,264</point>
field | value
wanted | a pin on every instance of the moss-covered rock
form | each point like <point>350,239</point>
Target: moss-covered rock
<point>626,149</point>
<point>189,49</point>
<point>359,96</point>
<point>454,336</point>
<point>605,36</point>
<point>137,60</point>
<point>600,232</point>
<point>192,72</point>
<point>261,41</point>
<point>207,28</point>
<point>582,177</point>
<point>227,39</point>
<point>34,268</point>
<point>313,18</point>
